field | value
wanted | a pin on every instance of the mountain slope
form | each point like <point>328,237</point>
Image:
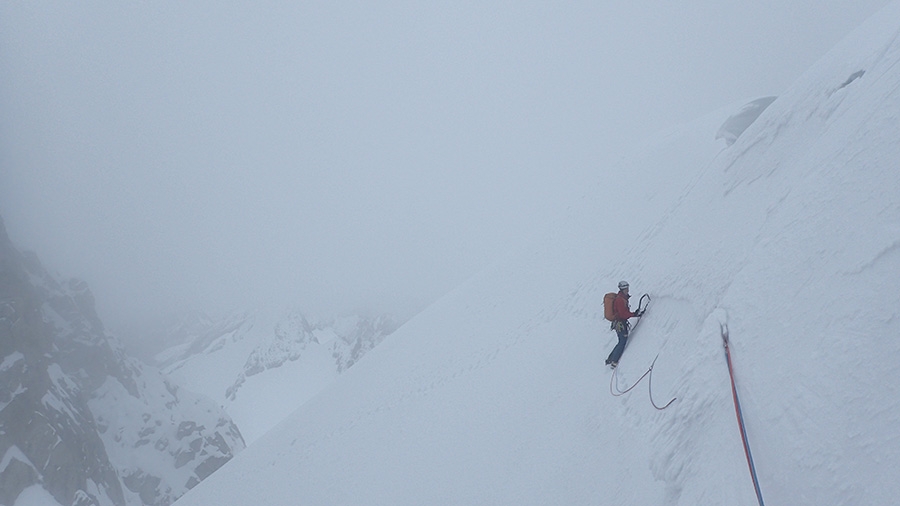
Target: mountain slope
<point>82,422</point>
<point>497,394</point>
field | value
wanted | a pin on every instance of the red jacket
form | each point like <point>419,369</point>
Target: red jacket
<point>620,307</point>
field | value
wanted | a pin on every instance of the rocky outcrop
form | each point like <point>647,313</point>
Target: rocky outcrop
<point>79,417</point>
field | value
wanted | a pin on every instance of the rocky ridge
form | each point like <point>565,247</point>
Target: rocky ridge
<point>78,416</point>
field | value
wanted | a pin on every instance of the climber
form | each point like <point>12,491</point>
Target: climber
<point>621,314</point>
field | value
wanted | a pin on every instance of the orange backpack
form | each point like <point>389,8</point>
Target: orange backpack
<point>608,300</point>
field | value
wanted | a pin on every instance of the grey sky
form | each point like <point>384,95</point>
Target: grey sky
<point>346,155</point>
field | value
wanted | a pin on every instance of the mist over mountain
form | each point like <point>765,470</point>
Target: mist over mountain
<point>209,157</point>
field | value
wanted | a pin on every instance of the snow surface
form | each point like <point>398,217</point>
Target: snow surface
<point>497,393</point>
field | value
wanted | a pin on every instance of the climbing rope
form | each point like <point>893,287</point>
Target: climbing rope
<point>617,392</point>
<point>740,416</point>
<point>615,379</point>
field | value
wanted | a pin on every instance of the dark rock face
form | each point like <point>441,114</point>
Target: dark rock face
<point>79,417</point>
<point>46,428</point>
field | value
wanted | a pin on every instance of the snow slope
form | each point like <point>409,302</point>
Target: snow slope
<point>497,394</point>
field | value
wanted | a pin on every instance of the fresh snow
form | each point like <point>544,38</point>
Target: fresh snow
<point>497,394</point>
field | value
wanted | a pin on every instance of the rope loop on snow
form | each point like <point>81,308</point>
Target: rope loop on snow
<point>617,392</point>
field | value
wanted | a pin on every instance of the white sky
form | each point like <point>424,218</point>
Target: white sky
<point>347,155</point>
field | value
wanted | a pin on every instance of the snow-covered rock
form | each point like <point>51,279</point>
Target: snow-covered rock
<point>261,366</point>
<point>80,418</point>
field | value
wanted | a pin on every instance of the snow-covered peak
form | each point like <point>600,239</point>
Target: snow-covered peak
<point>262,365</point>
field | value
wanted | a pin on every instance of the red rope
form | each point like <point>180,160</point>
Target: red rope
<point>740,417</point>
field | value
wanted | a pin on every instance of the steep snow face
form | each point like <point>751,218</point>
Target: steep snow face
<point>806,277</point>
<point>497,393</point>
<point>262,366</point>
<point>793,239</point>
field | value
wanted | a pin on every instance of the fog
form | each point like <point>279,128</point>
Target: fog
<point>347,156</point>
